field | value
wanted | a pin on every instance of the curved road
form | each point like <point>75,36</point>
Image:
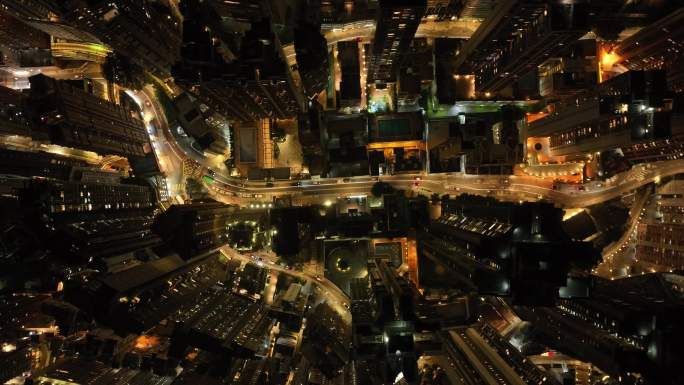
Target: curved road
<point>341,303</point>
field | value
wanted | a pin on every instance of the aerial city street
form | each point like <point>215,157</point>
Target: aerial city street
<point>362,192</point>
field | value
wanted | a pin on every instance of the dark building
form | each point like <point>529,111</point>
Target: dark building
<point>147,32</point>
<point>398,141</point>
<point>516,37</point>
<point>73,117</point>
<point>255,86</point>
<point>241,11</point>
<point>253,279</point>
<point>346,138</point>
<point>18,35</point>
<point>310,129</point>
<point>312,53</point>
<point>144,293</point>
<point>627,109</point>
<point>14,119</point>
<point>325,341</point>
<point>663,50</point>
<point>350,83</point>
<point>15,362</point>
<point>627,326</point>
<point>470,347</point>
<point>38,9</point>
<point>500,248</point>
<point>415,68</point>
<point>571,71</point>
<point>363,308</point>
<point>399,291</point>
<point>451,86</point>
<point>75,196</point>
<point>207,128</point>
<point>110,241</point>
<point>442,10</point>
<point>396,25</point>
<point>195,228</point>
<point>224,323</point>
<point>40,164</point>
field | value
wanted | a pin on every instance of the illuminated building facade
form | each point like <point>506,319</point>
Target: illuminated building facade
<point>73,117</point>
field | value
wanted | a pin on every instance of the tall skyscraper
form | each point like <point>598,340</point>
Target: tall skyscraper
<point>396,25</point>
<point>75,118</point>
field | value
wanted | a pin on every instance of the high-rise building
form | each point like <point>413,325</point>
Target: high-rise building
<point>312,58</point>
<point>396,25</point>
<point>256,86</point>
<point>625,110</point>
<point>478,245</point>
<point>222,322</point>
<point>415,69</point>
<point>75,118</point>
<point>18,35</point>
<point>37,9</point>
<point>350,82</point>
<point>517,36</point>
<point>440,10</point>
<point>147,32</point>
<point>660,246</point>
<point>570,72</point>
<point>626,326</point>
<point>39,164</point>
<point>663,50</point>
<point>241,11</point>
<point>659,241</point>
<point>79,196</point>
<point>195,228</point>
<point>14,119</point>
<point>111,241</point>
<point>479,353</point>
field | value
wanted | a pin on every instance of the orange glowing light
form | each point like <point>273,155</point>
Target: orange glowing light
<point>192,355</point>
<point>531,117</point>
<point>146,342</point>
<point>609,59</point>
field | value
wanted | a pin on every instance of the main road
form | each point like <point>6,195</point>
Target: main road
<point>504,187</point>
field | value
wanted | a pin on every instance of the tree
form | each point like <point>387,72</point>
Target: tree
<point>278,134</point>
<point>121,70</point>
<point>276,151</point>
<point>381,188</point>
<point>195,189</point>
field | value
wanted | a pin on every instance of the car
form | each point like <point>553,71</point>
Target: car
<point>269,184</point>
<point>318,278</point>
<point>346,180</point>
